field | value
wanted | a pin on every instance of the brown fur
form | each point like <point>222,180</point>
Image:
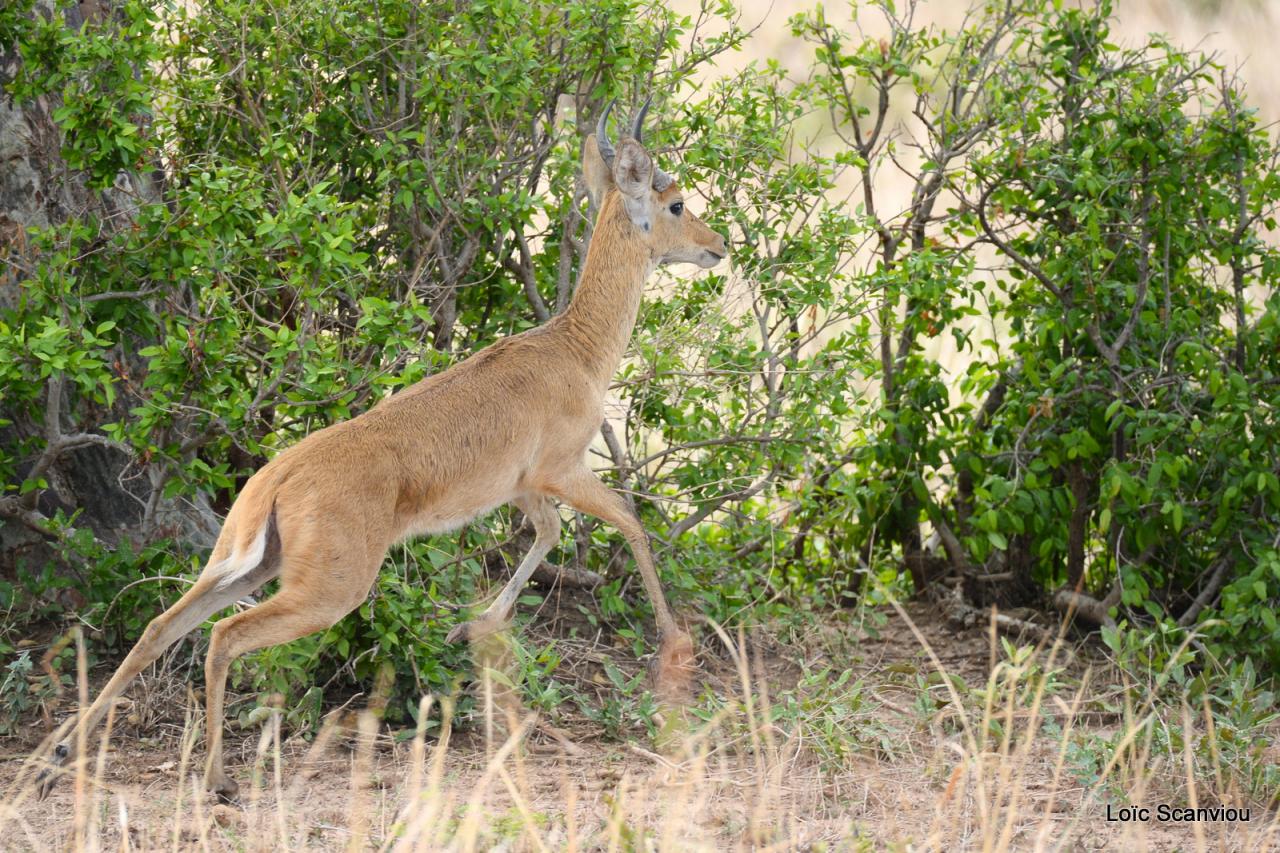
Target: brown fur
<point>511,424</point>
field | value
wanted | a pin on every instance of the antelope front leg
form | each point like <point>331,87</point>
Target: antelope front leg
<point>673,670</point>
<point>546,525</point>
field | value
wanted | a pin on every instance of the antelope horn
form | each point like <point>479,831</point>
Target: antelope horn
<point>661,180</point>
<point>637,126</point>
<point>602,136</point>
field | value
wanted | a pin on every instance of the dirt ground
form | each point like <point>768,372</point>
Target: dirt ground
<point>917,782</point>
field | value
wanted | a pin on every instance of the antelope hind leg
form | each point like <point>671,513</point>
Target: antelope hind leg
<point>199,603</point>
<point>295,611</point>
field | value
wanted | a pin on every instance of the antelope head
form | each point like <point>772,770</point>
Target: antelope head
<point>649,196</point>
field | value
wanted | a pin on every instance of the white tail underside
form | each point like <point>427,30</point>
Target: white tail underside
<point>240,563</point>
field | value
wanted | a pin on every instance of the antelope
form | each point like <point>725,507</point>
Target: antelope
<point>510,424</point>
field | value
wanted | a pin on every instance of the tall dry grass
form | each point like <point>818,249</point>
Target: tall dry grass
<point>990,767</point>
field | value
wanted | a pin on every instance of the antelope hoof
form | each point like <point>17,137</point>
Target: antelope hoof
<point>476,629</point>
<point>674,667</point>
<point>226,789</point>
<point>48,776</point>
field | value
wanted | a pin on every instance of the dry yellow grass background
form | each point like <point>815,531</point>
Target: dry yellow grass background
<point>756,777</point>
<point>909,734</point>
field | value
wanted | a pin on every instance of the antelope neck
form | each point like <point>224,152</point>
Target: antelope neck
<point>603,310</point>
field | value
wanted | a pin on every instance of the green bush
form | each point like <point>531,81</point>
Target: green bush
<point>1114,431</point>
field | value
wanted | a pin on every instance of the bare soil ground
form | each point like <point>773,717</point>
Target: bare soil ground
<point>764,773</point>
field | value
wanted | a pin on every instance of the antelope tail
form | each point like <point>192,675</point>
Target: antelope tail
<point>243,542</point>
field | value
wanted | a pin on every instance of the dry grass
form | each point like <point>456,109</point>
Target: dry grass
<point>938,739</point>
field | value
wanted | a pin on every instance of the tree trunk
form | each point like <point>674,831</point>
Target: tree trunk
<point>104,484</point>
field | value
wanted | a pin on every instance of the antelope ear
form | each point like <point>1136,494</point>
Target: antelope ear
<point>633,174</point>
<point>633,170</point>
<point>595,172</point>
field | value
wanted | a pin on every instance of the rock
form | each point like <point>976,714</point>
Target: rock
<point>226,816</point>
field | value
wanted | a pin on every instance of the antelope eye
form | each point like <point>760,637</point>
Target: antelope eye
<point>677,208</point>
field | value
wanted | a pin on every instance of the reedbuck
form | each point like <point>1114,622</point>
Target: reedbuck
<point>510,424</point>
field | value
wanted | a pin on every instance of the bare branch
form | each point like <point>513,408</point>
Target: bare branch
<point>691,521</point>
<point>1208,594</point>
<point>524,271</point>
